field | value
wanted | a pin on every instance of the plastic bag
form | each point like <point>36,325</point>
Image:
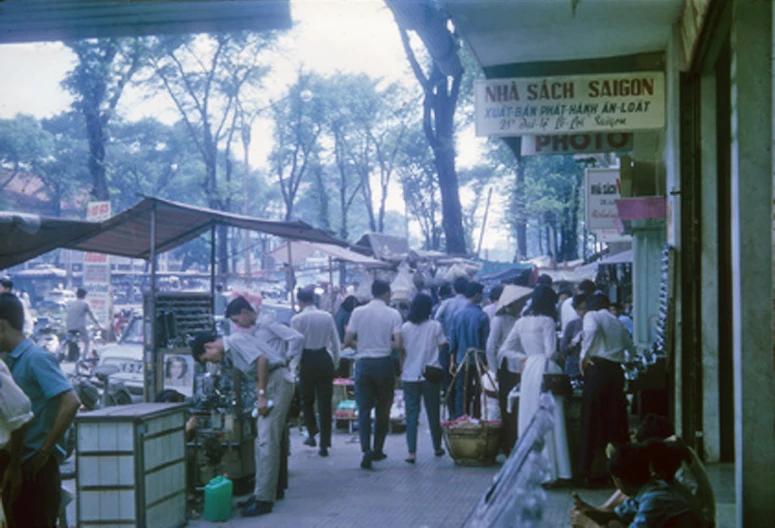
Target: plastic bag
<point>402,288</point>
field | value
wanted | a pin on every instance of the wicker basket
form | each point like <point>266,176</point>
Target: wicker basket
<point>473,446</point>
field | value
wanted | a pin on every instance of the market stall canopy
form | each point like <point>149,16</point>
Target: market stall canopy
<point>301,251</point>
<point>383,247</point>
<point>129,233</point>
<point>625,257</point>
<point>26,236</point>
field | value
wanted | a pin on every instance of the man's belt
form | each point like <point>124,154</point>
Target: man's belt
<point>315,350</point>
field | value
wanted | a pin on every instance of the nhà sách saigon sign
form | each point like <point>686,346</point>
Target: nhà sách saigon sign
<point>570,105</point>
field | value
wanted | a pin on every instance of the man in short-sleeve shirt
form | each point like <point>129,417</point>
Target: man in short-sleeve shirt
<point>54,405</point>
<point>375,331</point>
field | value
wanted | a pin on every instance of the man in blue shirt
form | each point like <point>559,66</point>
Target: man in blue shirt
<point>470,329</point>
<point>445,313</point>
<point>33,500</point>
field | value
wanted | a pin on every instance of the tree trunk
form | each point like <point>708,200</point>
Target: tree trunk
<point>96,137</point>
<point>521,222</point>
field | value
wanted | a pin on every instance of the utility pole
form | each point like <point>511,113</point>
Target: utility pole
<point>484,223</point>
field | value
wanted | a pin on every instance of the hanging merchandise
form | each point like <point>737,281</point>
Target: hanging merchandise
<point>402,288</point>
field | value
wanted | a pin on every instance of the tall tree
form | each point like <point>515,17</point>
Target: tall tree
<point>204,76</point>
<point>441,88</point>
<point>104,68</point>
<point>298,123</point>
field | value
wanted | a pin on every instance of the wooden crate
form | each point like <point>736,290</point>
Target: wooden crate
<point>131,466</point>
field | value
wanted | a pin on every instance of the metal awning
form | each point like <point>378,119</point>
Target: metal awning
<point>25,236</point>
<point>50,20</point>
<point>128,234</point>
<point>301,251</point>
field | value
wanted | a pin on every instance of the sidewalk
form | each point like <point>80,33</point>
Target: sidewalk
<point>335,492</point>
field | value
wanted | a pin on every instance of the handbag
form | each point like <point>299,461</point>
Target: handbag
<point>557,384</point>
<point>433,374</point>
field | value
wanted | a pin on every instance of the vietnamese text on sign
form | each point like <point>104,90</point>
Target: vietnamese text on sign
<point>575,104</point>
<point>576,143</point>
<point>602,193</point>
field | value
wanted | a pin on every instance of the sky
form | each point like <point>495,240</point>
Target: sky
<point>351,36</point>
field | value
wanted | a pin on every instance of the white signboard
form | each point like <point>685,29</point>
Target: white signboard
<point>602,192</point>
<point>573,104</point>
<point>96,270</point>
<point>576,143</point>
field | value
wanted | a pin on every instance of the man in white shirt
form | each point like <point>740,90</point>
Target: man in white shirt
<point>76,319</point>
<point>319,360</point>
<point>374,331</point>
<point>604,347</point>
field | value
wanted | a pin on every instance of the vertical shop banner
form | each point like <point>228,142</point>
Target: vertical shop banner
<point>96,270</point>
<point>602,187</point>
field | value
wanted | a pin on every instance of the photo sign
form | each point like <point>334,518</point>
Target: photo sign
<point>570,105</point>
<point>602,193</point>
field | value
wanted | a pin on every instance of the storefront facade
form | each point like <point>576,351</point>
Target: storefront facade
<point>711,162</point>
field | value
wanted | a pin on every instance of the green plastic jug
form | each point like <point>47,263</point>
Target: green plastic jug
<point>218,499</point>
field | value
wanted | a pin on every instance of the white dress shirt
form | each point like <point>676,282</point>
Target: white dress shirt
<point>319,331</point>
<point>605,336</point>
<point>374,326</point>
<point>567,313</point>
<point>500,327</point>
<point>531,335</point>
<point>421,342</point>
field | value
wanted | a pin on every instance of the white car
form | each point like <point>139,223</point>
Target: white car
<point>126,357</point>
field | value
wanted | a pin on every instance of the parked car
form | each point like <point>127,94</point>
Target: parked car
<point>126,357</point>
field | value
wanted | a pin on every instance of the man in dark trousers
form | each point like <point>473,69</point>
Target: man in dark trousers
<point>470,329</point>
<point>605,344</point>
<point>54,405</point>
<point>319,361</point>
<point>374,331</point>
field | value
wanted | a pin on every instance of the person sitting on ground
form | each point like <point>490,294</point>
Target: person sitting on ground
<point>652,501</point>
<point>688,471</point>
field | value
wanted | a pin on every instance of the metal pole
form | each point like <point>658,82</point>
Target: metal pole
<point>290,276</point>
<point>484,222</point>
<point>212,269</point>
<point>150,360</point>
<point>331,284</point>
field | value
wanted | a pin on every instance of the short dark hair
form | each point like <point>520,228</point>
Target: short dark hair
<point>6,281</point>
<point>305,295</point>
<point>473,289</point>
<point>631,464</point>
<point>198,344</point>
<point>654,426</point>
<point>80,293</point>
<point>544,280</point>
<point>587,286</point>
<point>495,292</point>
<point>236,306</point>
<point>600,301</point>
<point>445,290</point>
<point>169,396</point>
<point>666,457</point>
<point>11,310</point>
<point>460,284</point>
<point>420,310</point>
<point>379,288</point>
<point>350,303</point>
<point>579,299</point>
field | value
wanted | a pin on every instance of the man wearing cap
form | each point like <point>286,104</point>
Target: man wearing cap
<point>374,331</point>
<point>54,405</point>
<point>260,353</point>
<point>319,360</point>
<point>470,329</point>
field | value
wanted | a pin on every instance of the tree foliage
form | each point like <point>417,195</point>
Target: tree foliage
<point>103,69</point>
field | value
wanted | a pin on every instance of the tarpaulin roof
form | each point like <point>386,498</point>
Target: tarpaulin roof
<point>25,236</point>
<point>301,250</point>
<point>129,233</point>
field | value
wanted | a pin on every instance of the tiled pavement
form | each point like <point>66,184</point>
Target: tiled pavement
<point>335,492</point>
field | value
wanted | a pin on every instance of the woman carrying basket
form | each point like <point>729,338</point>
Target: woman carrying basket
<point>535,338</point>
<point>422,373</point>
